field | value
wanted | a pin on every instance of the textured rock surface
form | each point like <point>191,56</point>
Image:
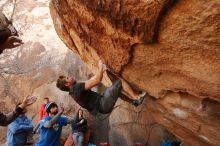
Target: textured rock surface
<point>34,67</point>
<point>168,48</point>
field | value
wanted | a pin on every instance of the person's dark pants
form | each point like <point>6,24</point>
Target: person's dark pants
<point>110,97</point>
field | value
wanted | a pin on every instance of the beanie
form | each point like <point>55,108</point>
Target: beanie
<point>49,106</point>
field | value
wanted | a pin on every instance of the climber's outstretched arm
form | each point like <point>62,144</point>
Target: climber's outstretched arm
<point>97,78</point>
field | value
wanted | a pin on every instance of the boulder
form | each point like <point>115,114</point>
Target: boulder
<point>168,48</point>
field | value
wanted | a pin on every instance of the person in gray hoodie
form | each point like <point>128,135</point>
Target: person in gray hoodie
<point>19,130</point>
<point>6,119</point>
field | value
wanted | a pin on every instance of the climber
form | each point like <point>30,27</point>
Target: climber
<point>6,119</point>
<point>93,101</point>
<point>8,38</point>
<point>51,126</point>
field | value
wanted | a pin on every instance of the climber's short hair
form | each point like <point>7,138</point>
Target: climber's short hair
<point>61,83</point>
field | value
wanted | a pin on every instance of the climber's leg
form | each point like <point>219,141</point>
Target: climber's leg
<point>111,95</point>
<point>138,99</point>
<point>127,89</point>
<point>128,93</point>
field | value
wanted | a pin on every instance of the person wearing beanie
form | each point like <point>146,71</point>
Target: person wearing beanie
<point>51,126</point>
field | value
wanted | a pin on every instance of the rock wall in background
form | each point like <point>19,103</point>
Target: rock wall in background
<point>34,67</point>
<point>170,48</point>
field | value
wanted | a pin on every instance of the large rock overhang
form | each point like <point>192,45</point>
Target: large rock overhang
<point>168,48</point>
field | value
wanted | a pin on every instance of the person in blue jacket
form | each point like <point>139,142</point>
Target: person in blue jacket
<point>51,126</point>
<point>19,130</point>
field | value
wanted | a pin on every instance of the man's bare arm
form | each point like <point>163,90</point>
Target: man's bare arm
<point>97,78</point>
<point>6,119</point>
<point>70,120</point>
<point>50,123</point>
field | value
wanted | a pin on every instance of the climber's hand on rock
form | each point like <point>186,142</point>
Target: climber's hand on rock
<point>102,66</point>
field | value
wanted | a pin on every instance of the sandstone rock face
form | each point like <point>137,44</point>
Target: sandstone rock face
<point>168,48</point>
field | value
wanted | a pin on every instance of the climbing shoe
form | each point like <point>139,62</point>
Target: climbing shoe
<point>139,101</point>
<point>142,94</point>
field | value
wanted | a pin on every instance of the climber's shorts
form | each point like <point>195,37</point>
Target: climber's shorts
<point>110,97</point>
